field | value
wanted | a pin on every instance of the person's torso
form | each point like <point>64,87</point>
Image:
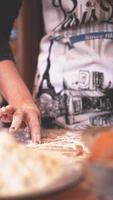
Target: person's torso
<point>75,65</point>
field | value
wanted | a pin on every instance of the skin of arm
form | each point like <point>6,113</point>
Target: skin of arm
<point>16,93</point>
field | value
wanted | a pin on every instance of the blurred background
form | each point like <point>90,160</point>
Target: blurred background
<point>25,38</point>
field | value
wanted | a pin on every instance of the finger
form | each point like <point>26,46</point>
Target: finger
<point>9,109</point>
<point>6,113</point>
<point>34,125</point>
<point>6,118</point>
<point>2,111</point>
<point>17,121</point>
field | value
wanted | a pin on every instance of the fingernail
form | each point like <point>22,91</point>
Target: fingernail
<point>12,128</point>
<point>36,142</point>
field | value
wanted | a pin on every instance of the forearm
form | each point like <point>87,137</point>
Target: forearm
<point>22,106</point>
<point>12,86</point>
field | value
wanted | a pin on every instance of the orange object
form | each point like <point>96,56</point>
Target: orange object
<point>102,150</point>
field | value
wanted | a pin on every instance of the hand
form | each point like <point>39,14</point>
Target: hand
<point>29,113</point>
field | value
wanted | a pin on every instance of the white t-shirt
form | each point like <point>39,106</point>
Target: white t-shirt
<point>74,79</point>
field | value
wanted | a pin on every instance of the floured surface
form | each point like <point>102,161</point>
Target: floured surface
<point>26,170</point>
<point>67,142</point>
